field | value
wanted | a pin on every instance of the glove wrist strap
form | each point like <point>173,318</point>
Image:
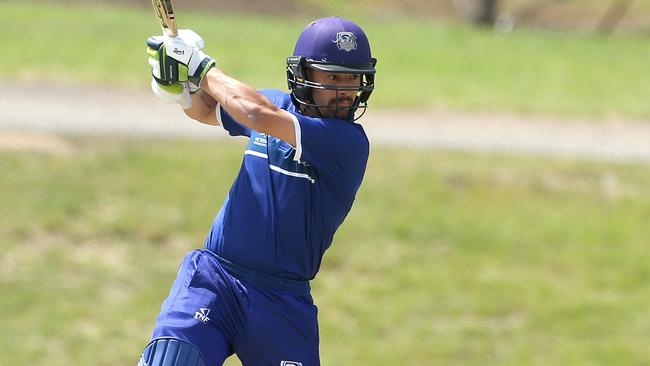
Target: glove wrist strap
<point>202,70</point>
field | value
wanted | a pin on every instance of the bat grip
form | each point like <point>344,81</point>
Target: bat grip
<point>170,33</point>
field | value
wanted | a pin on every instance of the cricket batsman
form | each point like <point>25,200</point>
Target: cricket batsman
<point>247,291</point>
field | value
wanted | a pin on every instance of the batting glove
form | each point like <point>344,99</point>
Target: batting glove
<point>174,93</point>
<point>179,59</point>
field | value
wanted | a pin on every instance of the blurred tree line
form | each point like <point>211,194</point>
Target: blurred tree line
<point>603,16</point>
<point>487,12</point>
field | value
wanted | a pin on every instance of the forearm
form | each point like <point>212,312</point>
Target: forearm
<point>241,101</point>
<point>203,108</point>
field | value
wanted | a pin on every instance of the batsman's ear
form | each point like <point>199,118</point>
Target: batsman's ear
<point>297,78</point>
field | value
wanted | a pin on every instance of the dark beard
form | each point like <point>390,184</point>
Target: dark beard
<point>329,111</point>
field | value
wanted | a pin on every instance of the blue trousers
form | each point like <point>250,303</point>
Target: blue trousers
<point>223,315</point>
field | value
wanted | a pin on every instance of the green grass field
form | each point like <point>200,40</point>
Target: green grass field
<point>445,259</point>
<point>422,64</point>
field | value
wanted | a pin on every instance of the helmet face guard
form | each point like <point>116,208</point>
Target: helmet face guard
<point>333,45</point>
<point>302,88</point>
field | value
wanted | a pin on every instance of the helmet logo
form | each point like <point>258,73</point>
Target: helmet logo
<point>346,41</point>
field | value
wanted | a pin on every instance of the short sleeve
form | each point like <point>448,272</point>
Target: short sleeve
<point>337,149</point>
<point>233,127</point>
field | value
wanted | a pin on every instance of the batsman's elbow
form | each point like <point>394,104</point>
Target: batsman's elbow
<point>276,122</point>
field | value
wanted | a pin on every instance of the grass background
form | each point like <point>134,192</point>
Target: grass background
<point>422,64</point>
<point>446,258</point>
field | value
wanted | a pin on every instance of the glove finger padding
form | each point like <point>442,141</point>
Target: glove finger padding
<point>171,67</point>
<point>184,49</point>
<point>154,63</point>
<point>179,58</point>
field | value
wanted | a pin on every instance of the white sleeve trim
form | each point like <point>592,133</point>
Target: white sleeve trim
<point>218,113</point>
<point>298,146</point>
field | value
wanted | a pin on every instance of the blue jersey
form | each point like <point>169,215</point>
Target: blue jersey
<point>287,202</point>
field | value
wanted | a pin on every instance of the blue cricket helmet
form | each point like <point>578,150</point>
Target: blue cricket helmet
<point>331,44</point>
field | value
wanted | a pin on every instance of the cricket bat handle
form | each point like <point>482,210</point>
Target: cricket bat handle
<point>164,10</point>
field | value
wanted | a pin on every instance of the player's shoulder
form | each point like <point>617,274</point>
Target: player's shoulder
<point>346,132</point>
<point>346,126</point>
<point>360,137</point>
<point>349,135</point>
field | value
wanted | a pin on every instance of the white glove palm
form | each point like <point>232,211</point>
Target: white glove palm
<point>174,93</point>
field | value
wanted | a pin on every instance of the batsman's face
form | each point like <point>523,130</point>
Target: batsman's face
<point>337,101</point>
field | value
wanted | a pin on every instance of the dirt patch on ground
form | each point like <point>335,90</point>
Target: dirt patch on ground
<point>32,115</point>
<point>34,142</point>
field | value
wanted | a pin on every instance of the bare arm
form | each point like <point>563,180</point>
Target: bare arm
<point>246,105</point>
<point>203,108</point>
